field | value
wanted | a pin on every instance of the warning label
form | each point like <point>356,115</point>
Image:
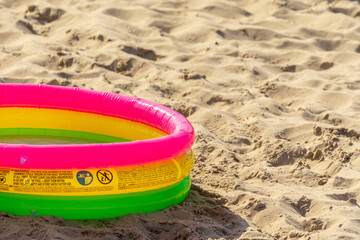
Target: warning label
<point>51,182</point>
<point>96,181</point>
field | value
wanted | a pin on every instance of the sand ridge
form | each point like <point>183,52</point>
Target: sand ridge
<point>272,88</point>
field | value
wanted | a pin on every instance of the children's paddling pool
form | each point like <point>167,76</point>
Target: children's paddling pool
<point>137,157</point>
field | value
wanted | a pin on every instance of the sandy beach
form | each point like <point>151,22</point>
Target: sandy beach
<point>272,88</point>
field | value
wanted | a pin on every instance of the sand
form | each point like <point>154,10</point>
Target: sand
<point>272,88</point>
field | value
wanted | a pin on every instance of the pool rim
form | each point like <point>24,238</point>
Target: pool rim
<point>178,141</point>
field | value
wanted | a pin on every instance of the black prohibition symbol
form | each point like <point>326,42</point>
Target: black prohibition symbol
<point>104,176</point>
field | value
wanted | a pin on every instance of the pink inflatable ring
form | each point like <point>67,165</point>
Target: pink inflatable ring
<point>178,141</point>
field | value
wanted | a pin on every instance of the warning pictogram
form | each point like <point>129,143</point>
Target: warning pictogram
<point>2,179</point>
<point>104,176</point>
<point>84,177</point>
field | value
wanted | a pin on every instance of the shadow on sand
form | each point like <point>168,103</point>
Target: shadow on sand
<point>201,216</point>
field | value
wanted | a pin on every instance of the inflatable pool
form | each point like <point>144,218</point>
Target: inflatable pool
<point>140,162</point>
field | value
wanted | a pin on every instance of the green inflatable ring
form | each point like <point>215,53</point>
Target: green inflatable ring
<point>95,206</point>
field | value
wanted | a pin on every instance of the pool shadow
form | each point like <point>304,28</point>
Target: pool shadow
<point>202,215</point>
